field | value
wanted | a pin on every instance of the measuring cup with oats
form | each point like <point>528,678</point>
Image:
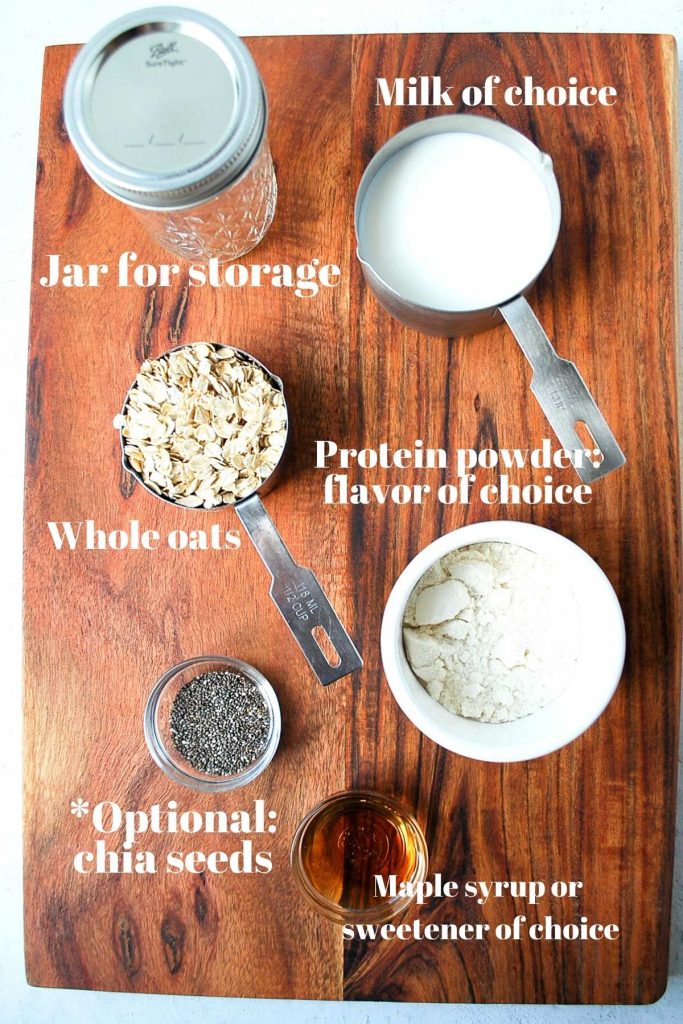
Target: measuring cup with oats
<point>205,425</point>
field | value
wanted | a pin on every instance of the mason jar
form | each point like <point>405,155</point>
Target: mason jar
<point>167,112</point>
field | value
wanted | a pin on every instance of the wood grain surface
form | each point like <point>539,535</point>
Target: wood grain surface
<point>100,627</point>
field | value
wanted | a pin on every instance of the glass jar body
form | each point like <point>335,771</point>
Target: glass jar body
<point>344,843</point>
<point>226,226</point>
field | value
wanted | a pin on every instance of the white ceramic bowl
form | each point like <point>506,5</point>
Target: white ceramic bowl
<point>598,671</point>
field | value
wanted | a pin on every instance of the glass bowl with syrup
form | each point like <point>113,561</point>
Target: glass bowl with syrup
<point>357,857</point>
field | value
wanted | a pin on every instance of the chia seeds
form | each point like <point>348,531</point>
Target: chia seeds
<point>220,722</point>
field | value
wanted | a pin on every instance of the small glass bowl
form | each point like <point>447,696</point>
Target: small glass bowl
<point>405,824</point>
<point>157,724</point>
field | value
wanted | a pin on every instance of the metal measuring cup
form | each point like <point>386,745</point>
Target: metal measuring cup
<point>556,383</point>
<point>294,589</point>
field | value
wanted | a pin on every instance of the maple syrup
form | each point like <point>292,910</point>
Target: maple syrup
<point>346,844</point>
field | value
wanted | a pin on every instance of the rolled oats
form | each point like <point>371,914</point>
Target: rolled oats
<point>203,425</point>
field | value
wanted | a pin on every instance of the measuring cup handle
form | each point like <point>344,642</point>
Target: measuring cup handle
<point>299,597</point>
<point>562,394</point>
<point>529,333</point>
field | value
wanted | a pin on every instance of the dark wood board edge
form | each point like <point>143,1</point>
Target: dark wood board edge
<point>671,52</point>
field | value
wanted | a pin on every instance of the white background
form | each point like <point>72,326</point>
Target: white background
<point>32,25</point>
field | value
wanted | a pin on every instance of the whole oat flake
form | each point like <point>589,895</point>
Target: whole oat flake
<point>203,425</point>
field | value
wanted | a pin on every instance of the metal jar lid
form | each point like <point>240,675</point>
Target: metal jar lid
<point>165,107</point>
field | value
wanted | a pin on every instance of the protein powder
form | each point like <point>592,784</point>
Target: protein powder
<point>492,632</point>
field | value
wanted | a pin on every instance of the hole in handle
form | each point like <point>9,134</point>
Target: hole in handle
<point>322,638</point>
<point>589,443</point>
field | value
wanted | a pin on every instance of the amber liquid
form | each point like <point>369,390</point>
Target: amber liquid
<point>351,841</point>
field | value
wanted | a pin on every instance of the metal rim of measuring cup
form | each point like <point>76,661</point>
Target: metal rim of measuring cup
<point>432,320</point>
<point>266,485</point>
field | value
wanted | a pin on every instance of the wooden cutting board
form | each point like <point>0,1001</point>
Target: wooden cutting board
<point>100,626</point>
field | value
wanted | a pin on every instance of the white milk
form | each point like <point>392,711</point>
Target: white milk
<point>456,221</point>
